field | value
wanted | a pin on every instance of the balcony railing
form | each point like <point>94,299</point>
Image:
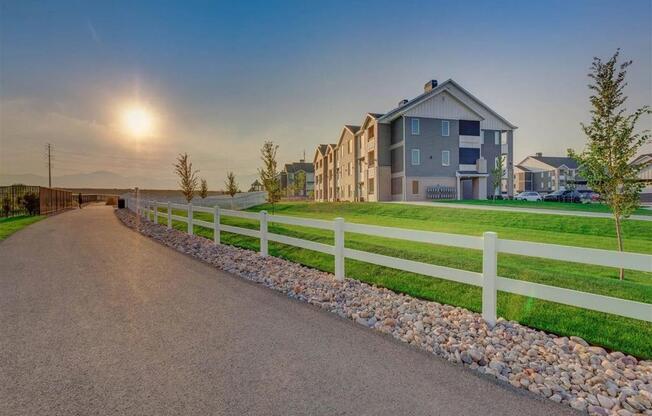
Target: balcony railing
<point>371,145</point>
<point>504,149</point>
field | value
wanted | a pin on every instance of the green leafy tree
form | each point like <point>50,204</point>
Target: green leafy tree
<point>187,176</point>
<point>612,142</point>
<point>268,173</point>
<point>497,175</point>
<point>231,186</point>
<point>203,188</point>
<point>299,185</point>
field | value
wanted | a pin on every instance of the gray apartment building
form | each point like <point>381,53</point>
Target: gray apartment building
<point>287,178</point>
<point>545,174</point>
<point>442,144</point>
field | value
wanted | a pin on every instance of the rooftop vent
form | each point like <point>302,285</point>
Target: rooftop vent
<point>538,154</point>
<point>402,102</point>
<point>430,85</point>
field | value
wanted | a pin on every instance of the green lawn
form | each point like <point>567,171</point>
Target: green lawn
<point>10,225</point>
<point>560,206</point>
<point>628,335</point>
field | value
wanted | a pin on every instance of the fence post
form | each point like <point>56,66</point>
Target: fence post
<point>489,271</point>
<point>339,248</point>
<point>154,212</point>
<point>216,224</point>
<point>190,229</point>
<point>263,233</point>
<point>169,215</point>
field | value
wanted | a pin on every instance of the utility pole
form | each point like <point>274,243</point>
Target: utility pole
<point>49,165</point>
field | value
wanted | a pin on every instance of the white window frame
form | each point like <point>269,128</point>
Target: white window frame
<point>415,131</point>
<point>447,161</point>
<point>447,131</point>
<point>415,161</point>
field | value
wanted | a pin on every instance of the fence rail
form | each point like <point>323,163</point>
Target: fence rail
<point>489,243</point>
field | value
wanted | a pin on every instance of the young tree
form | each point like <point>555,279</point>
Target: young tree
<point>612,142</point>
<point>268,173</point>
<point>187,177</point>
<point>497,175</point>
<point>203,188</point>
<point>299,185</point>
<point>231,187</point>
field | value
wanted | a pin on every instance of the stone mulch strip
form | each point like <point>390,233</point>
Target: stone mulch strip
<point>565,370</point>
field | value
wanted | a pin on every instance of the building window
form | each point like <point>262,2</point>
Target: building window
<point>348,190</point>
<point>445,158</point>
<point>445,128</point>
<point>469,156</point>
<point>370,186</point>
<point>496,137</point>
<point>415,187</point>
<point>416,126</point>
<point>349,146</point>
<point>469,128</point>
<point>416,157</point>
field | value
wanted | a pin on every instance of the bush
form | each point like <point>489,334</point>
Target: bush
<point>6,206</point>
<point>31,203</point>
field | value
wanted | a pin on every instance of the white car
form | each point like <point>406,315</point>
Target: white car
<point>529,196</point>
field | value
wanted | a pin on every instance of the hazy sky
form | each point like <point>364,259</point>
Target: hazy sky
<point>223,76</point>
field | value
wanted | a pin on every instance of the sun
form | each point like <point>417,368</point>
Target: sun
<point>138,121</point>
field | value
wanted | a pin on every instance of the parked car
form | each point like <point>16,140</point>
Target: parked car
<point>528,196</point>
<point>589,196</point>
<point>564,196</point>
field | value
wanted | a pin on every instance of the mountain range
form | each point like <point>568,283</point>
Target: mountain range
<point>97,179</point>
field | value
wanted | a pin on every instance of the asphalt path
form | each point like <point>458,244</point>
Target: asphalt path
<point>97,319</point>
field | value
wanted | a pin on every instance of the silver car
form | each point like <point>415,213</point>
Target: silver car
<point>529,196</point>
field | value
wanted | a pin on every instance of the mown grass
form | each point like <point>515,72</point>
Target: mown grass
<point>560,206</point>
<point>10,225</point>
<point>628,335</point>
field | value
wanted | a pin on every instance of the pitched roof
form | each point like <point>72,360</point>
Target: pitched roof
<point>556,162</point>
<point>376,115</point>
<point>645,158</point>
<point>297,166</point>
<point>352,129</point>
<point>390,115</point>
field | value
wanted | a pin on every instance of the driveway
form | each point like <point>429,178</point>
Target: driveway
<point>97,319</point>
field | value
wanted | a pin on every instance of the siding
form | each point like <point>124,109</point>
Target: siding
<point>431,143</point>
<point>397,160</point>
<point>445,106</point>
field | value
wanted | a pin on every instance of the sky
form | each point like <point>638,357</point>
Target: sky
<point>220,78</point>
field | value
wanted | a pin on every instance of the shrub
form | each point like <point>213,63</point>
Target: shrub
<point>6,206</point>
<point>31,203</point>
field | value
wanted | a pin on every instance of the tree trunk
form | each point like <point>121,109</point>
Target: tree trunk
<point>619,235</point>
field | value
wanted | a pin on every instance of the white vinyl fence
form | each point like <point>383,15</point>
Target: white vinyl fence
<point>489,243</point>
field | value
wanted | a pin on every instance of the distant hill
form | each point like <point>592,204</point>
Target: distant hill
<point>98,179</point>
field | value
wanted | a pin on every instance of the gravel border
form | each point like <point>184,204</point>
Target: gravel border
<point>564,370</point>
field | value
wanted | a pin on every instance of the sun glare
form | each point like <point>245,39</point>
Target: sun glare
<point>138,122</point>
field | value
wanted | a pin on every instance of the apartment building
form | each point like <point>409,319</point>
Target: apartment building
<point>288,174</point>
<point>441,144</point>
<point>545,174</point>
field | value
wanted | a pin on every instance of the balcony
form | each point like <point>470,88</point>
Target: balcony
<point>371,173</point>
<point>371,145</point>
<point>504,149</point>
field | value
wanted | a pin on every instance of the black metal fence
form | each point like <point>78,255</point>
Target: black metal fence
<point>21,199</point>
<point>12,199</point>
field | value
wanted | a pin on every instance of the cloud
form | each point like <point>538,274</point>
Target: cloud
<point>93,32</point>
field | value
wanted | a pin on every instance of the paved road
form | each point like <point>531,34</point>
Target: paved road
<point>523,210</point>
<point>96,319</point>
